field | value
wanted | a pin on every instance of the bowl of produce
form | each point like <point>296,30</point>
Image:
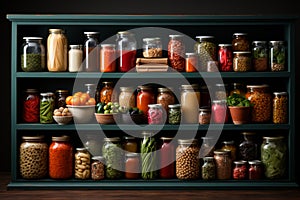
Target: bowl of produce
<point>107,113</point>
<point>62,116</point>
<point>131,116</point>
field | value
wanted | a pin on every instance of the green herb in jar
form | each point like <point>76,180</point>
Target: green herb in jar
<point>32,62</point>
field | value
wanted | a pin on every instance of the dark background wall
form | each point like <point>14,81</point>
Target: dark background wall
<point>199,7</point>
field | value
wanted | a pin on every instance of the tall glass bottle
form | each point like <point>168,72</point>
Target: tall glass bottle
<point>91,52</point>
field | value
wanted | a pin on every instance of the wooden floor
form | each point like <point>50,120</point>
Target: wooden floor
<point>289,194</point>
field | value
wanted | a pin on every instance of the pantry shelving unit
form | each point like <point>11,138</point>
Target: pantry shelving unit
<point>259,28</point>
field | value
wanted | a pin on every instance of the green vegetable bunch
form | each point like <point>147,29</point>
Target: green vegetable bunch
<point>148,157</point>
<point>238,100</point>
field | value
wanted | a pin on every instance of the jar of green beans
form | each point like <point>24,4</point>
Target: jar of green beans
<point>47,105</point>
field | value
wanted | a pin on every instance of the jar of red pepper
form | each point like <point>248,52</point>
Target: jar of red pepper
<point>240,170</point>
<point>219,112</point>
<point>255,169</point>
<point>225,57</point>
<point>61,158</point>
<point>31,106</point>
<point>156,114</point>
<point>167,158</point>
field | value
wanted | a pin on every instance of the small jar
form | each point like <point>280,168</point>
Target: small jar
<point>149,157</point>
<point>240,42</point>
<point>98,168</point>
<point>208,168</point>
<point>61,158</point>
<point>280,108</point>
<point>208,147</point>
<point>204,115</point>
<point>47,106</point>
<point>167,158</point>
<point>176,53</point>
<point>152,47</point>
<point>190,103</point>
<point>191,62</point>
<point>127,97</point>
<point>248,148</point>
<point>219,112</point>
<point>33,157</point>
<point>165,97</point>
<point>60,98</point>
<point>82,163</point>
<point>91,90</point>
<point>92,143</point>
<point>174,115</point>
<point>187,159</point>
<point>225,57</point>
<point>223,164</point>
<point>132,166</point>
<point>242,61</point>
<point>75,56</point>
<point>107,93</point>
<point>260,56</point>
<point>31,106</point>
<point>144,97</point>
<point>206,49</point>
<point>240,171</point>
<point>33,54</point>
<point>156,114</point>
<point>255,170</point>
<point>277,55</point>
<point>108,58</point>
<point>212,66</point>
<point>91,52</point>
<point>238,88</point>
<point>221,91</point>
<point>229,145</point>
<point>130,144</point>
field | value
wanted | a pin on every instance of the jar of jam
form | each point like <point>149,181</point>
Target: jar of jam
<point>61,158</point>
<point>108,58</point>
<point>156,115</point>
<point>242,61</point>
<point>127,97</point>
<point>82,163</point>
<point>31,106</point>
<point>229,145</point>
<point>219,112</point>
<point>208,168</point>
<point>191,62</point>
<point>132,166</point>
<point>174,115</point>
<point>75,56</point>
<point>144,97</point>
<point>167,158</point>
<point>277,55</point>
<point>248,148</point>
<point>149,156</point>
<point>238,88</point>
<point>206,49</point>
<point>165,97</point>
<point>260,56</point>
<point>98,168</point>
<point>255,170</point>
<point>225,57</point>
<point>91,52</point>
<point>47,106</point>
<point>204,115</point>
<point>240,170</point>
<point>60,98</point>
<point>176,53</point>
<point>152,47</point>
<point>221,91</point>
<point>207,147</point>
<point>190,103</point>
<point>107,93</point>
<point>240,42</point>
<point>130,144</point>
<point>223,164</point>
<point>280,108</point>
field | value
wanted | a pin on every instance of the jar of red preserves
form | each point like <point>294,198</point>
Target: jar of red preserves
<point>219,112</point>
<point>255,170</point>
<point>132,166</point>
<point>145,96</point>
<point>61,158</point>
<point>108,58</point>
<point>167,158</point>
<point>156,115</point>
<point>225,57</point>
<point>31,106</point>
<point>240,170</point>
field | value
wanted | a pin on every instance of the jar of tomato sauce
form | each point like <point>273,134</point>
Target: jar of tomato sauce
<point>145,96</point>
<point>167,158</point>
<point>31,106</point>
<point>219,112</point>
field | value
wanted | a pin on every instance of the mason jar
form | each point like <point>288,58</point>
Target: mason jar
<point>132,166</point>
<point>208,168</point>
<point>207,147</point>
<point>280,107</point>
<point>240,170</point>
<point>221,91</point>
<point>156,114</point>
<point>223,164</point>
<point>165,97</point>
<point>91,51</point>
<point>31,106</point>
<point>225,56</point>
<point>260,56</point>
<point>191,62</point>
<point>204,115</point>
<point>75,56</point>
<point>190,103</point>
<point>152,47</point>
<point>47,106</point>
<point>60,98</point>
<point>174,115</point>
<point>229,145</point>
<point>219,112</point>
<point>127,97</point>
<point>107,92</point>
<point>277,55</point>
<point>130,144</point>
<point>242,61</point>
<point>238,88</point>
<point>167,158</point>
<point>108,58</point>
<point>145,96</point>
<point>248,147</point>
<point>82,163</point>
<point>240,42</point>
<point>176,53</point>
<point>98,168</point>
<point>206,49</point>
<point>255,170</point>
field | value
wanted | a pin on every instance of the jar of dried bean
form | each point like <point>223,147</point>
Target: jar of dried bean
<point>107,93</point>
<point>132,166</point>
<point>156,114</point>
<point>82,163</point>
<point>127,97</point>
<point>187,159</point>
<point>98,168</point>
<point>152,47</point>
<point>219,112</point>
<point>206,49</point>
<point>248,148</point>
<point>47,106</point>
<point>174,115</point>
<point>240,170</point>
<point>277,55</point>
<point>255,170</point>
<point>191,62</point>
<point>260,56</point>
<point>176,53</point>
<point>207,147</point>
<point>165,97</point>
<point>225,57</point>
<point>208,168</point>
<point>229,145</point>
<point>33,157</point>
<point>240,42</point>
<point>280,108</point>
<point>223,164</point>
<point>242,61</point>
<point>31,106</point>
<point>91,52</point>
<point>167,158</point>
<point>204,115</point>
<point>261,98</point>
<point>61,158</point>
<point>108,58</point>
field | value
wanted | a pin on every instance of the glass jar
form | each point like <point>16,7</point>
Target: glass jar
<point>274,156</point>
<point>82,163</point>
<point>261,98</point>
<point>91,52</point>
<point>191,62</point>
<point>113,154</point>
<point>238,88</point>
<point>242,61</point>
<point>33,157</point>
<point>108,58</point>
<point>107,93</point>
<point>33,54</point>
<point>152,47</point>
<point>277,55</point>
<point>221,91</point>
<point>225,55</point>
<point>91,90</point>
<point>208,147</point>
<point>205,100</point>
<point>176,51</point>
<point>190,103</point>
<point>57,51</point>
<point>130,144</point>
<point>223,164</point>
<point>219,112</point>
<point>75,55</point>
<point>92,143</point>
<point>60,98</point>
<point>165,97</point>
<point>187,159</point>
<point>156,115</point>
<point>127,97</point>
<point>144,97</point>
<point>98,168</point>
<point>47,106</point>
<point>255,170</point>
<point>31,106</point>
<point>240,171</point>
<point>61,158</point>
<point>208,168</point>
<point>260,56</point>
<point>174,115</point>
<point>248,148</point>
<point>167,158</point>
<point>149,156</point>
<point>132,166</point>
<point>280,108</point>
<point>240,42</point>
<point>126,51</point>
<point>212,66</point>
<point>204,115</point>
<point>229,145</point>
<point>206,49</point>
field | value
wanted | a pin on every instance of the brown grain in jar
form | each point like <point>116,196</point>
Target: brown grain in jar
<point>223,164</point>
<point>242,61</point>
<point>229,145</point>
<point>280,108</point>
<point>165,97</point>
<point>240,42</point>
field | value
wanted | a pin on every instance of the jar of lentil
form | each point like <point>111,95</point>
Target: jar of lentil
<point>229,145</point>
<point>82,163</point>
<point>33,157</point>
<point>240,42</point>
<point>60,98</point>
<point>261,99</point>
<point>127,97</point>
<point>206,49</point>
<point>57,51</point>
<point>107,93</point>
<point>240,171</point>
<point>273,157</point>
<point>223,164</point>
<point>33,54</point>
<point>149,157</point>
<point>280,107</point>
<point>31,106</point>
<point>174,115</point>
<point>219,112</point>
<point>91,52</point>
<point>176,53</point>
<point>47,106</point>
<point>156,115</point>
<point>190,103</point>
<point>98,168</point>
<point>130,144</point>
<point>61,158</point>
<point>255,170</point>
<point>277,55</point>
<point>165,97</point>
<point>187,159</point>
<point>242,61</point>
<point>204,115</point>
<point>167,158</point>
<point>108,58</point>
<point>248,148</point>
<point>208,168</point>
<point>221,91</point>
<point>144,97</point>
<point>260,56</point>
<point>191,62</point>
<point>132,166</point>
<point>113,154</point>
<point>152,47</point>
<point>225,57</point>
<point>75,56</point>
<point>208,147</point>
<point>238,88</point>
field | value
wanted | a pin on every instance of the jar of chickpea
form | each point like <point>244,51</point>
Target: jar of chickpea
<point>280,107</point>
